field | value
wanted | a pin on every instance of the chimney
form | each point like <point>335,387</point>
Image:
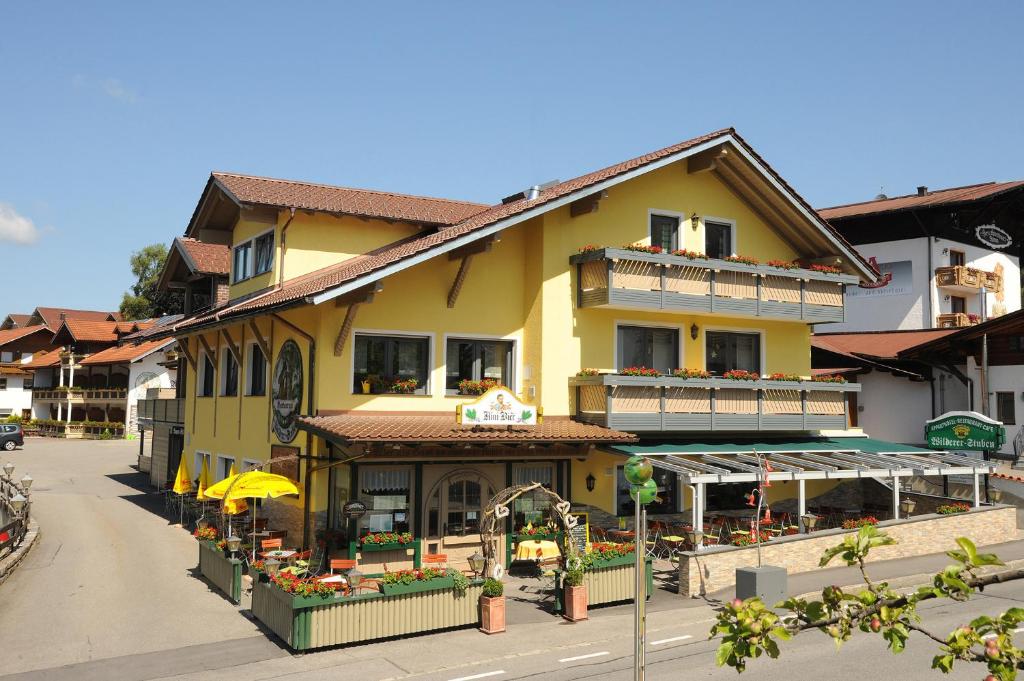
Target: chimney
<point>922,191</point>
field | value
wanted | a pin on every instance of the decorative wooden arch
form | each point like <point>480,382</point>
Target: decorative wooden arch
<point>498,509</point>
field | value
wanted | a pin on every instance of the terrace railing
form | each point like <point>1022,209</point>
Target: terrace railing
<point>76,393</point>
<point>664,403</point>
<point>620,278</point>
<point>13,523</point>
<point>971,279</point>
<point>163,410</point>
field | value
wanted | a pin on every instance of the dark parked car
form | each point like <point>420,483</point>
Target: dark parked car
<point>11,436</point>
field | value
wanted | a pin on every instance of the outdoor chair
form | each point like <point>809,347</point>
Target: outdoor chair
<point>436,560</point>
<point>598,534</point>
<point>270,545</point>
<point>342,565</point>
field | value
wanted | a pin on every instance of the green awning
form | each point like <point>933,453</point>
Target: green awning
<point>747,446</point>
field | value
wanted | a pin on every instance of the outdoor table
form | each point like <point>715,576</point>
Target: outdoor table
<point>622,535</point>
<point>537,549</point>
<point>279,554</point>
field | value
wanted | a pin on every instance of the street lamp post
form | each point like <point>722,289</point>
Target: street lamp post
<point>643,489</point>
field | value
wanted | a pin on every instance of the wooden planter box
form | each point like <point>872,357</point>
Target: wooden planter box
<point>307,623</point>
<point>370,548</point>
<point>223,572</point>
<point>610,582</point>
<point>417,586</point>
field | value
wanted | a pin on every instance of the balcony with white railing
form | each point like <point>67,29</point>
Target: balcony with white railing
<point>667,403</point>
<point>622,278</point>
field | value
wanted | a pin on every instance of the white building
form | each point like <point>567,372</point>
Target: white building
<point>949,258</point>
<point>17,348</point>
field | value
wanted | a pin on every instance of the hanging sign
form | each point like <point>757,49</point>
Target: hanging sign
<point>964,430</point>
<point>498,407</point>
<point>353,510</point>
<point>286,398</point>
<point>992,236</point>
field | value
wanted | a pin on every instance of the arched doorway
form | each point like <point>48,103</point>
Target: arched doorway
<point>453,511</point>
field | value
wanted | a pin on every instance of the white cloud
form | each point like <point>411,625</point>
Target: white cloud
<point>111,87</point>
<point>16,228</point>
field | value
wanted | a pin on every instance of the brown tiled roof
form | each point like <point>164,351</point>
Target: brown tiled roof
<point>442,428</point>
<point>43,359</point>
<point>365,202</point>
<point>880,344</point>
<point>13,369</point>
<point>937,197</point>
<point>333,276</point>
<point>125,353</point>
<point>18,319</point>
<point>102,331</point>
<point>206,258</point>
<point>14,334</point>
<point>51,315</point>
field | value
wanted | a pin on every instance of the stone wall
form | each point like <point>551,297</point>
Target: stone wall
<point>285,515</point>
<point>715,568</point>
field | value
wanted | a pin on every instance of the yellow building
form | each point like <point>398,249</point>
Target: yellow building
<point>357,322</point>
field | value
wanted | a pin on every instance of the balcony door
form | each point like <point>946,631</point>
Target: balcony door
<point>648,346</point>
<point>730,350</point>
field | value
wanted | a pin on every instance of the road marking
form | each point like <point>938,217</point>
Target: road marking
<point>670,640</point>
<point>479,676</point>
<point>584,657</point>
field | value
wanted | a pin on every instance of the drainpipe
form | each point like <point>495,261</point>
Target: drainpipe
<point>284,246</point>
<point>984,374</point>
<point>310,412</point>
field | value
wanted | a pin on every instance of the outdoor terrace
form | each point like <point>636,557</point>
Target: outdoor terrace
<point>621,278</point>
<point>666,403</point>
<point>163,410</point>
<point>77,394</point>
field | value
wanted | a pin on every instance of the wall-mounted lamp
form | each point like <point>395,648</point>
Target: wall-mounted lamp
<point>694,330</point>
<point>591,482</point>
<point>694,221</point>
<point>945,251</point>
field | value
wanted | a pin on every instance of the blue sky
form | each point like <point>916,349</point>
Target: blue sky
<point>112,115</point>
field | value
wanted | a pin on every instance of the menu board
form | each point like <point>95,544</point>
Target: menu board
<point>580,535</point>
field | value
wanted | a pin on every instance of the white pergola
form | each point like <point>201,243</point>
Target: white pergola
<point>718,466</point>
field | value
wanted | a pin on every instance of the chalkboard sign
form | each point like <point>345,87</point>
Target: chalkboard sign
<point>580,534</point>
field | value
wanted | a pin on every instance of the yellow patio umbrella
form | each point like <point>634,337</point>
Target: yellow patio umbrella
<point>182,485</point>
<point>204,482</point>
<point>253,485</point>
<point>234,506</point>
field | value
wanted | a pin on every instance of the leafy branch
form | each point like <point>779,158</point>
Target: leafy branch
<point>748,629</point>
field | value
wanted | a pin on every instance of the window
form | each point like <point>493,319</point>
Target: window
<point>957,304</point>
<point>197,462</point>
<point>382,361</point>
<point>224,464</point>
<point>229,376</point>
<point>180,375</point>
<point>264,255</point>
<point>665,232</point>
<point>205,379</point>
<point>717,239</point>
<point>465,508</point>
<point>957,258</point>
<point>474,360</point>
<point>1005,410</point>
<point>385,491</point>
<point>3,384</point>
<point>27,383</point>
<point>668,493</point>
<point>727,351</point>
<point>1016,343</point>
<point>243,262</point>
<point>534,507</point>
<point>256,374</point>
<point>651,347</point>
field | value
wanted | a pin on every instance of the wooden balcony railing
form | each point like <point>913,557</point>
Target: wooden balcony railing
<point>961,277</point>
<point>614,277</point>
<point>163,410</point>
<point>956,320</point>
<point>80,394</point>
<point>642,404</point>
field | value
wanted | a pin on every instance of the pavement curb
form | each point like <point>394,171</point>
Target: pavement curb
<point>8,564</point>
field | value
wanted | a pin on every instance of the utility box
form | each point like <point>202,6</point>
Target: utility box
<point>767,583</point>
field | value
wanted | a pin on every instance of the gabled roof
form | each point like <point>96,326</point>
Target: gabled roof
<point>14,320</point>
<point>204,258</point>
<point>127,353</point>
<point>51,316</point>
<point>11,335</point>
<point>930,199</point>
<point>1011,324</point>
<point>334,280</point>
<point>875,344</point>
<point>266,191</point>
<point>79,330</point>
<point>43,359</point>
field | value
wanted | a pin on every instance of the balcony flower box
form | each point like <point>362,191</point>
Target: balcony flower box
<point>418,586</point>
<point>387,541</point>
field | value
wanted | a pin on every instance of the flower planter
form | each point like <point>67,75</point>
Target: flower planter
<point>308,623</point>
<point>370,548</point>
<point>611,582</point>
<point>221,571</point>
<point>492,614</point>
<point>418,586</point>
<point>576,603</point>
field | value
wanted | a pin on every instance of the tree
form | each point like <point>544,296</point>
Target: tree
<point>749,629</point>
<point>145,300</point>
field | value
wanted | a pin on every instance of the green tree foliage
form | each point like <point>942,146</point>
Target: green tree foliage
<point>145,300</point>
<point>748,630</point>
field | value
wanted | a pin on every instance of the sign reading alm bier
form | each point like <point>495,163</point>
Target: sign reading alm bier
<point>964,430</point>
<point>498,407</point>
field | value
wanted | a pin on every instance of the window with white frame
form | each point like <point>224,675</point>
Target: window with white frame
<point>255,371</point>
<point>224,464</point>
<point>477,360</point>
<point>718,239</point>
<point>242,262</point>
<point>648,346</point>
<point>665,232</point>
<point>206,376</point>
<point>229,374</point>
<point>197,462</point>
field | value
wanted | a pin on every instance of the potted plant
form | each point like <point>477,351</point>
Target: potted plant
<point>492,607</point>
<point>368,382</point>
<point>575,595</point>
